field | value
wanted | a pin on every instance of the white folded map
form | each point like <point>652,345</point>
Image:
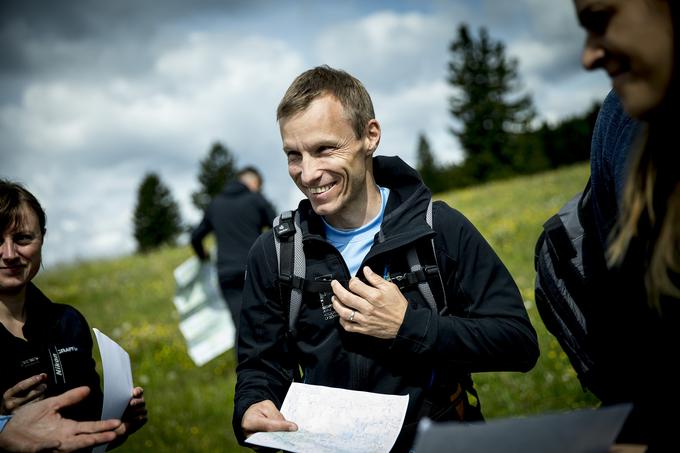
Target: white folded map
<point>337,420</point>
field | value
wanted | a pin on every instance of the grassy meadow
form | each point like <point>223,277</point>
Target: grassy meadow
<point>190,408</point>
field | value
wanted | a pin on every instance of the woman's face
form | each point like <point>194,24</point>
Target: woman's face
<point>633,41</point>
<point>20,253</point>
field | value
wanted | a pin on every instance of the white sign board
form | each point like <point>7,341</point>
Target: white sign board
<point>205,320</point>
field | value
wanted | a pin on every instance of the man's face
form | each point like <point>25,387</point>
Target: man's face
<point>633,41</point>
<point>20,253</point>
<point>327,162</point>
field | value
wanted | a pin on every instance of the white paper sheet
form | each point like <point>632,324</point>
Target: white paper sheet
<point>337,420</point>
<point>205,321</point>
<point>117,379</point>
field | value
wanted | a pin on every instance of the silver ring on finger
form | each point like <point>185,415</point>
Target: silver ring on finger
<point>351,317</point>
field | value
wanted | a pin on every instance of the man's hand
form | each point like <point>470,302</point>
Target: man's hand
<point>39,426</point>
<point>30,389</point>
<point>376,309</point>
<point>265,417</point>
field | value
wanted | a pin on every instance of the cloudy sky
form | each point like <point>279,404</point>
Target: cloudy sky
<point>94,94</point>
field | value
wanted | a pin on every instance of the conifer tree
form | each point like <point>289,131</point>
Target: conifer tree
<point>156,218</point>
<point>427,166</point>
<point>215,170</point>
<point>486,103</point>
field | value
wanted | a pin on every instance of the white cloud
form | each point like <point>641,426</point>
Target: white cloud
<point>534,55</point>
<point>575,96</point>
<point>98,138</point>
<point>420,108</point>
<point>408,46</point>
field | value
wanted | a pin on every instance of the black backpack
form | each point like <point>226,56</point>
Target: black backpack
<point>568,259</point>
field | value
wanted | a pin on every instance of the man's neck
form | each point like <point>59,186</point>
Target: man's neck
<point>366,209</point>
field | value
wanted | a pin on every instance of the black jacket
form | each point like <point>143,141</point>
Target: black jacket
<point>237,216</point>
<point>635,349</point>
<point>58,343</point>
<point>487,329</point>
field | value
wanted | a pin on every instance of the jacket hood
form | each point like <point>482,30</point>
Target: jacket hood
<point>409,197</point>
<point>406,206</point>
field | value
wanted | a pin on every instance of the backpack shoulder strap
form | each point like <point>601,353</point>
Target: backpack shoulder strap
<point>415,266</point>
<point>291,259</point>
<point>567,261</point>
<point>460,388</point>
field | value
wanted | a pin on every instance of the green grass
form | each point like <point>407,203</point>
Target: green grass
<point>510,215</point>
<point>190,408</point>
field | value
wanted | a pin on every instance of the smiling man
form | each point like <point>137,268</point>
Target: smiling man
<point>362,217</point>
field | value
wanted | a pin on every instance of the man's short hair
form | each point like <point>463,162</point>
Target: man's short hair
<point>323,80</point>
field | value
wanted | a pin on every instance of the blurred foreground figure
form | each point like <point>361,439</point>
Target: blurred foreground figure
<point>40,427</point>
<point>46,348</point>
<point>636,186</point>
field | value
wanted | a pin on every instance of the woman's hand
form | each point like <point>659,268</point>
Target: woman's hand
<point>30,389</point>
<point>134,417</point>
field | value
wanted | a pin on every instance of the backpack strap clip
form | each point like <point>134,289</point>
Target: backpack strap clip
<point>292,281</point>
<point>415,277</point>
<point>286,227</point>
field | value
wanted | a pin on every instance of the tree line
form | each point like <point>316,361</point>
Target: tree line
<point>495,121</point>
<point>494,126</point>
<point>156,218</point>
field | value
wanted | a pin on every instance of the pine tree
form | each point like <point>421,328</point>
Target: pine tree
<point>216,169</point>
<point>156,218</point>
<point>486,103</point>
<point>427,166</point>
<point>568,141</point>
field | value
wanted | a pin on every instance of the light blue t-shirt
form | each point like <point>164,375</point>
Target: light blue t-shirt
<point>354,244</point>
<point>3,421</point>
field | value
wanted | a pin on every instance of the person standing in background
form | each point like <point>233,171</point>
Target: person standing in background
<point>237,216</point>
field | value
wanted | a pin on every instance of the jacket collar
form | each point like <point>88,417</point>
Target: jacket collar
<point>38,314</point>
